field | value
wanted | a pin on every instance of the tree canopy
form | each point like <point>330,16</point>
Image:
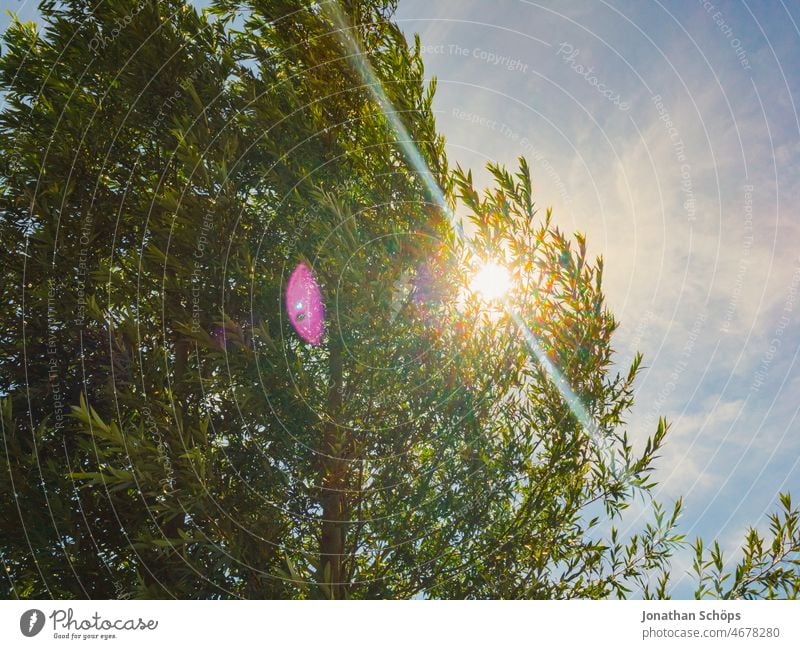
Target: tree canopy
<point>165,431</point>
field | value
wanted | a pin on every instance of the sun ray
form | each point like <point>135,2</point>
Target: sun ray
<point>346,33</point>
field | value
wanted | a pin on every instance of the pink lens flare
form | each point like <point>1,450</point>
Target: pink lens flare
<point>304,304</point>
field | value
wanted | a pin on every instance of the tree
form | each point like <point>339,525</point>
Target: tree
<point>165,431</point>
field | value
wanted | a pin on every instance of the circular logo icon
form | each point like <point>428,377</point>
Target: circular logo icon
<point>31,622</point>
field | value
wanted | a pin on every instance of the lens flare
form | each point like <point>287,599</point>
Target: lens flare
<point>491,282</point>
<point>304,305</point>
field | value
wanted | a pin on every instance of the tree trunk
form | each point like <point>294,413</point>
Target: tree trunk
<point>334,484</point>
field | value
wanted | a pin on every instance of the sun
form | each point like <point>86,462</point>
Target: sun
<point>491,281</point>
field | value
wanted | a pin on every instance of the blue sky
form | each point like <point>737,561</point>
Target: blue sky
<point>668,133</point>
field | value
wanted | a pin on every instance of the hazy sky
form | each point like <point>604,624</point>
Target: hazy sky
<point>668,133</point>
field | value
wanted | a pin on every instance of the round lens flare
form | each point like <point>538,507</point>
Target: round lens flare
<point>491,281</point>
